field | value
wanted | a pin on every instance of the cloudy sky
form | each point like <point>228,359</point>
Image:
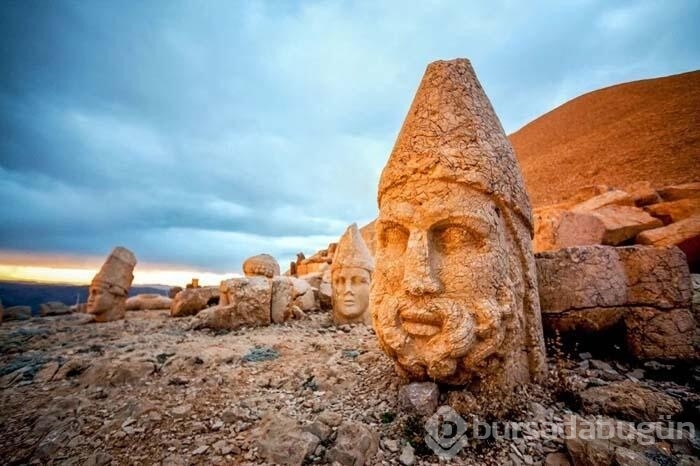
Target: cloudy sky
<point>197,133</point>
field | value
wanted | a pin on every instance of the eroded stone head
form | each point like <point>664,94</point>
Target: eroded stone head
<point>454,295</point>
<point>351,275</point>
<point>110,287</point>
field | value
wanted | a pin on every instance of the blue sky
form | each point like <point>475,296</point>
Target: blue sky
<point>200,133</point>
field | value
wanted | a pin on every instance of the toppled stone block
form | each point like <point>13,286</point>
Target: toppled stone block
<point>685,234</point>
<point>680,191</point>
<point>675,211</point>
<point>147,302</point>
<point>580,278</point>
<point>661,334</point>
<point>192,300</point>
<point>246,302</point>
<point>556,228</point>
<point>657,277</point>
<point>623,223</point>
<point>593,288</point>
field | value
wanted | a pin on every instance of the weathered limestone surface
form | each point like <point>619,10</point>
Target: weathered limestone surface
<point>282,300</point>
<point>685,234</point>
<point>608,198</point>
<point>680,191</point>
<point>580,277</point>
<point>304,295</point>
<point>355,445</point>
<point>661,334</point>
<point>283,441</point>
<point>557,228</point>
<point>192,300</point>
<point>656,277</point>
<point>244,302</point>
<point>593,288</point>
<point>454,294</point>
<point>643,193</point>
<point>351,274</point>
<point>110,287</point>
<point>145,302</point>
<point>623,222</point>
<point>624,445</point>
<point>262,265</point>
<point>675,211</point>
<point>629,400</point>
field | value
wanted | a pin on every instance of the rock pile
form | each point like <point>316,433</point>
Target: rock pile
<point>640,214</point>
<point>258,301</point>
<point>648,290</point>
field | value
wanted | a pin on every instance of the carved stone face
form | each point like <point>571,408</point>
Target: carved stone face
<point>350,293</point>
<point>443,296</point>
<point>100,299</point>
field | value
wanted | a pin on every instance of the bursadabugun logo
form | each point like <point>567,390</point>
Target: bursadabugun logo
<point>445,432</point>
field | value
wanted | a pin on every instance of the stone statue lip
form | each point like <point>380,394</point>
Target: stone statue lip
<point>419,322</point>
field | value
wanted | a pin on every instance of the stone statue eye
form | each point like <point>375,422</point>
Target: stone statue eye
<point>452,238</point>
<point>394,238</point>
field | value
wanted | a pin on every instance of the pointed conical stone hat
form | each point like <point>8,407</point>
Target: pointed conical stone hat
<point>352,251</point>
<point>118,269</point>
<point>452,133</point>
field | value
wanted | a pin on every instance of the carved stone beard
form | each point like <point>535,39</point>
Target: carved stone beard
<point>472,335</point>
<point>449,291</point>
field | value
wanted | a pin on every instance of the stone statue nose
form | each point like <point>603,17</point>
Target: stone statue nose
<point>419,278</point>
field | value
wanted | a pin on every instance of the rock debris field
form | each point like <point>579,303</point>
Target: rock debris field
<point>149,390</point>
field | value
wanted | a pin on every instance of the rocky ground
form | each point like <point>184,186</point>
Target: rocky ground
<point>149,390</point>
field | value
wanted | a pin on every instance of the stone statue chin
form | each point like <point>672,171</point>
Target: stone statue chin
<point>351,294</point>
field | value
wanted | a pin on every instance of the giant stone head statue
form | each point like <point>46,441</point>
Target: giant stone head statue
<point>454,293</point>
<point>351,275</point>
<point>110,287</point>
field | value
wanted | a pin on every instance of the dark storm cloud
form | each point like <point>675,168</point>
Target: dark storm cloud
<point>200,133</point>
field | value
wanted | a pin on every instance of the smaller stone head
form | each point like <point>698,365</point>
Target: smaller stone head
<point>262,265</point>
<point>110,287</point>
<point>351,275</point>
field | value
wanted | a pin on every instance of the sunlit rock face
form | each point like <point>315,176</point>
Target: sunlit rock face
<point>351,274</point>
<point>262,265</point>
<point>454,292</point>
<point>110,287</point>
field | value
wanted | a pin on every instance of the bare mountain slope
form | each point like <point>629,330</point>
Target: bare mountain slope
<point>643,130</point>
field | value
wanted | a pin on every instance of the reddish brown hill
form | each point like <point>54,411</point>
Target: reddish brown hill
<point>643,130</point>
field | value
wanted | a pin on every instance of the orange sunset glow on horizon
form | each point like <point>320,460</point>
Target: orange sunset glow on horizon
<point>78,270</point>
